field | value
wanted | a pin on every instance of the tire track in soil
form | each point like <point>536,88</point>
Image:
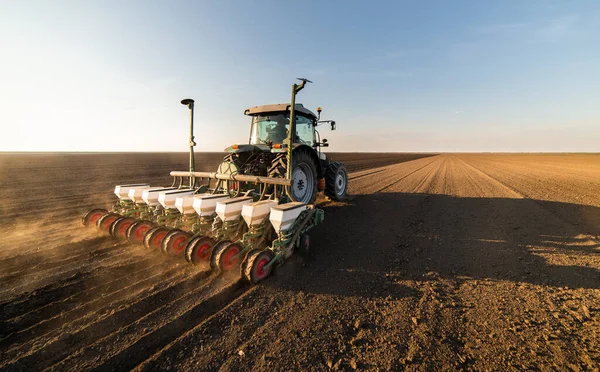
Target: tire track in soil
<point>397,180</point>
<point>106,291</point>
<point>54,351</point>
<point>110,353</point>
<point>440,310</point>
<point>365,174</point>
<point>537,202</point>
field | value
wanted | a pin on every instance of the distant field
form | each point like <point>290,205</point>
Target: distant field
<point>436,262</point>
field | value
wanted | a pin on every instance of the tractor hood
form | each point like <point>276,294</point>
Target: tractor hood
<point>234,149</point>
<point>247,148</point>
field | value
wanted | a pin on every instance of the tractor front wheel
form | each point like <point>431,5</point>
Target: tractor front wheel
<point>336,181</point>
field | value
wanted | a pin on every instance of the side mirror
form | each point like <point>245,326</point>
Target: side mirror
<point>332,125</point>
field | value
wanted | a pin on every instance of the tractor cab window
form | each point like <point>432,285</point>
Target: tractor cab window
<point>274,128</point>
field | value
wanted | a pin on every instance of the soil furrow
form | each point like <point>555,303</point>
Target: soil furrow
<point>154,339</point>
<point>69,288</point>
<point>54,351</point>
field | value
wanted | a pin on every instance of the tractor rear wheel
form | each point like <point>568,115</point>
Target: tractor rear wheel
<point>254,267</point>
<point>199,249</point>
<point>119,228</point>
<point>137,230</point>
<point>93,216</point>
<point>336,181</point>
<point>175,242</point>
<point>304,177</point>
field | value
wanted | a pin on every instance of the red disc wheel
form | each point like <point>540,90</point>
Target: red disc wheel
<point>175,242</point>
<point>153,238</point>
<point>93,216</point>
<point>119,228</point>
<point>228,257</point>
<point>137,230</point>
<point>199,250</point>
<point>256,269</point>
<point>103,224</point>
<point>219,246</point>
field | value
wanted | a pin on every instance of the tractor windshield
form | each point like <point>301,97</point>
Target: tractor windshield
<point>274,128</point>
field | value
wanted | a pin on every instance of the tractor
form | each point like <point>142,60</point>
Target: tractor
<point>271,146</point>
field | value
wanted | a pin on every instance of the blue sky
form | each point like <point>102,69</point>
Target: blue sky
<point>395,75</point>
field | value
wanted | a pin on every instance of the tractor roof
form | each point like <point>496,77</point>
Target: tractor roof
<point>279,107</point>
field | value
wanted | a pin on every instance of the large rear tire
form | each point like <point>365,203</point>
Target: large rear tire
<point>304,176</point>
<point>336,181</point>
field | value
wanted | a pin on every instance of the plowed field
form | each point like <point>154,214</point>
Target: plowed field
<point>436,262</point>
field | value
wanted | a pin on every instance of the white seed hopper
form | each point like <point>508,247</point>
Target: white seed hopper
<point>255,213</point>
<point>135,193</point>
<point>150,196</point>
<point>122,191</point>
<point>283,216</point>
<point>231,209</point>
<point>167,198</point>
<point>206,205</point>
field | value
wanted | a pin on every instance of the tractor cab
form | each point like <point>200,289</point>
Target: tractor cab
<point>271,123</point>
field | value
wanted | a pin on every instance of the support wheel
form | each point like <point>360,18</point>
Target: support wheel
<point>154,237</point>
<point>199,250</point>
<point>175,242</point>
<point>336,181</point>
<point>103,224</point>
<point>137,230</point>
<point>255,268</point>
<point>228,257</point>
<point>119,228</point>
<point>93,216</point>
<point>218,247</point>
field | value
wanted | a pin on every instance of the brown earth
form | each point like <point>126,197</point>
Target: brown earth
<point>454,261</point>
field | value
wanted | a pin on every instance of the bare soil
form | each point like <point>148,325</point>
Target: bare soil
<point>436,262</point>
